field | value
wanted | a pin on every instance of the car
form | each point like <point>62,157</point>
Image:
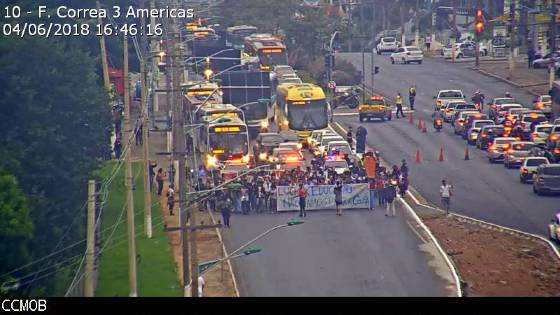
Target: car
<point>547,179</point>
<point>267,141</point>
<point>448,109</point>
<point>321,148</point>
<point>544,104</point>
<point>554,228</point>
<point>289,136</point>
<point>407,55</point>
<point>553,154</point>
<point>528,118</point>
<point>340,146</point>
<point>497,149</point>
<point>541,133</point>
<point>339,165</point>
<point>529,168</point>
<point>518,151</point>
<point>461,120</point>
<point>375,107</point>
<point>296,146</point>
<point>474,131</point>
<point>462,108</point>
<point>553,137</point>
<point>285,158</point>
<point>464,49</point>
<point>547,60</point>
<point>495,104</point>
<point>556,121</point>
<point>444,96</point>
<point>502,111</point>
<point>387,44</point>
<point>316,135</point>
<point>488,134</point>
<point>469,121</point>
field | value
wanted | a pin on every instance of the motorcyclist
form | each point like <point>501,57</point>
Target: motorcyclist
<point>478,99</point>
<point>437,115</point>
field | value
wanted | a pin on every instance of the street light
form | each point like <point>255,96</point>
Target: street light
<point>207,266</point>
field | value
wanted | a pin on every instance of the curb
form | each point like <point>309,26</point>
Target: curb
<point>519,86</point>
<point>225,254</point>
<point>425,228</point>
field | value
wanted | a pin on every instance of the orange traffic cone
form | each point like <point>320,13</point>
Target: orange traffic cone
<point>424,130</point>
<point>441,158</point>
<point>410,119</point>
<point>418,157</point>
<point>467,157</point>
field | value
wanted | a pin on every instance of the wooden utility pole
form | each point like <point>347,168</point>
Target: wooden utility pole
<point>104,64</point>
<point>146,151</point>
<point>128,178</point>
<point>454,39</point>
<point>90,246</point>
<point>417,25</point>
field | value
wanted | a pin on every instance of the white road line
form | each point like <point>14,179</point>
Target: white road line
<point>417,233</point>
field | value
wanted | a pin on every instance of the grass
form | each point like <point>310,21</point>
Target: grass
<point>157,274</point>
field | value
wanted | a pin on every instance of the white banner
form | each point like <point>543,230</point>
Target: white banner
<point>354,196</point>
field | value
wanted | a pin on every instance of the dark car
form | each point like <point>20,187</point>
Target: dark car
<point>494,105</point>
<point>267,142</point>
<point>547,179</point>
<point>553,154</point>
<point>547,60</point>
<point>486,137</point>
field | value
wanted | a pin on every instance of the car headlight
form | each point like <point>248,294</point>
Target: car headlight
<point>264,124</point>
<point>263,156</point>
<point>245,159</point>
<point>212,161</point>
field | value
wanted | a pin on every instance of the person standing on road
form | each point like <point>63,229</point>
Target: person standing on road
<point>338,198</point>
<point>226,212</point>
<point>412,96</point>
<point>403,185</point>
<point>372,194</point>
<point>404,168</point>
<point>446,191</point>
<point>390,195</point>
<point>302,194</point>
<point>160,177</point>
<point>361,135</point>
<point>245,202</point>
<point>398,103</point>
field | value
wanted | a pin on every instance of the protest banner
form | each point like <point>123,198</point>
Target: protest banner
<point>321,197</point>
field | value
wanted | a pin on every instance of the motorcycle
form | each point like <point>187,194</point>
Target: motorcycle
<point>438,124</point>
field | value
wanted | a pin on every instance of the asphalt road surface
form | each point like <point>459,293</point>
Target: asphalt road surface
<point>361,253</point>
<point>482,190</point>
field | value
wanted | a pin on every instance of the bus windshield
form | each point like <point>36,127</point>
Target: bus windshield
<point>273,58</point>
<point>311,116</point>
<point>231,143</point>
<point>255,111</point>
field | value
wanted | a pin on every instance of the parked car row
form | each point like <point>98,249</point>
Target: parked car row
<point>511,134</point>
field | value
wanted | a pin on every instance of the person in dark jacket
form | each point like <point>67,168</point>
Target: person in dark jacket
<point>349,137</point>
<point>361,136</point>
<point>226,212</point>
<point>403,185</point>
<point>390,195</point>
<point>117,148</point>
<point>338,197</point>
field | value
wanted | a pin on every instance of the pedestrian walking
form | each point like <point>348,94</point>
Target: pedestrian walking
<point>403,185</point>
<point>398,103</point>
<point>117,148</point>
<point>404,168</point>
<point>361,136</point>
<point>170,199</point>
<point>412,96</point>
<point>531,54</point>
<point>273,190</point>
<point>302,194</point>
<point>349,138</point>
<point>380,190</point>
<point>446,191</point>
<point>226,212</point>
<point>151,171</point>
<point>372,194</point>
<point>338,197</point>
<point>260,198</point>
<point>245,207</point>
<point>390,195</point>
<point>160,177</point>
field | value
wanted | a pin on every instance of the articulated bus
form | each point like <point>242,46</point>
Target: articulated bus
<point>224,140</point>
<point>302,108</point>
<point>236,35</point>
<point>269,50</point>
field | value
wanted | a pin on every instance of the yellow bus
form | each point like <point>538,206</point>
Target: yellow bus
<point>301,107</point>
<point>198,93</point>
<point>224,140</point>
<point>269,50</point>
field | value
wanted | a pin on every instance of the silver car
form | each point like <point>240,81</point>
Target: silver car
<point>497,149</point>
<point>517,153</point>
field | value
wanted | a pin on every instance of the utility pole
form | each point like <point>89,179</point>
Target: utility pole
<point>453,48</point>
<point>90,246</point>
<point>403,37</point>
<point>146,149</point>
<point>104,65</point>
<point>512,45</point>
<point>128,178</point>
<point>372,42</point>
<point>432,26</point>
<point>417,26</point>
<point>553,12</point>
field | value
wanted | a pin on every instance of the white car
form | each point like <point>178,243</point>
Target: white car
<point>339,166</point>
<point>341,146</point>
<point>316,136</point>
<point>407,54</point>
<point>529,168</point>
<point>387,44</point>
<point>472,134</point>
<point>322,145</point>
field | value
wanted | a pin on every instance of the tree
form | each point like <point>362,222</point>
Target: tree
<point>54,115</point>
<point>15,226</point>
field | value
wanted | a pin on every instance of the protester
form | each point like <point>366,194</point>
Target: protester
<point>246,208</point>
<point>338,197</point>
<point>390,195</point>
<point>446,191</point>
<point>372,194</point>
<point>302,194</point>
<point>403,186</point>
<point>226,212</point>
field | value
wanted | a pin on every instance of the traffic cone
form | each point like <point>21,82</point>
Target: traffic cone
<point>424,130</point>
<point>410,119</point>
<point>441,158</point>
<point>418,157</point>
<point>467,157</point>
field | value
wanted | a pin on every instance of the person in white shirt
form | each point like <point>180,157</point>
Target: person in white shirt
<point>446,191</point>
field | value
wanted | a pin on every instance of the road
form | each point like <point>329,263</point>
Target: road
<point>361,253</point>
<point>483,191</point>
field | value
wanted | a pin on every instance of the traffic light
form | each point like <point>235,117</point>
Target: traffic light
<point>479,23</point>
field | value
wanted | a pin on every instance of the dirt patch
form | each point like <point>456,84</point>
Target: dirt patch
<point>496,263</point>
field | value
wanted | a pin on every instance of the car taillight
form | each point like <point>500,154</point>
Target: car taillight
<point>484,136</point>
<point>556,151</point>
<point>524,170</point>
<point>493,106</point>
<point>539,106</point>
<point>554,137</point>
<point>510,151</point>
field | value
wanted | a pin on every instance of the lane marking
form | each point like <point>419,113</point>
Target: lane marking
<point>417,233</point>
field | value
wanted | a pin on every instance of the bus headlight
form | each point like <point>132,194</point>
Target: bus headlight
<point>299,146</point>
<point>264,124</point>
<point>263,156</point>
<point>286,123</point>
<point>245,159</point>
<point>212,161</point>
